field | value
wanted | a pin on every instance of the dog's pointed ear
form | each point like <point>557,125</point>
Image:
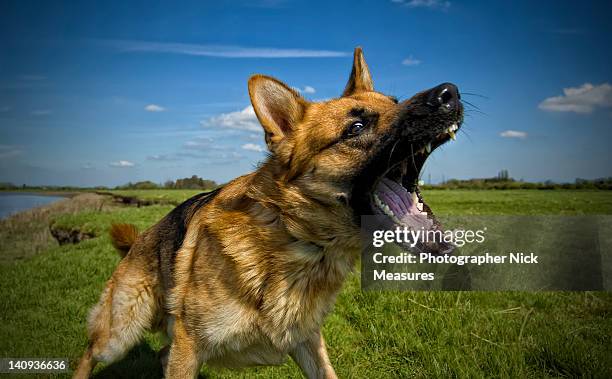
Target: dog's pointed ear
<point>360,79</point>
<point>277,106</point>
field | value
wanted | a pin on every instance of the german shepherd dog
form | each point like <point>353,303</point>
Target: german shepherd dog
<point>246,274</point>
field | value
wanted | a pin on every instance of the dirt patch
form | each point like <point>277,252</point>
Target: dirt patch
<point>129,200</point>
<point>64,236</point>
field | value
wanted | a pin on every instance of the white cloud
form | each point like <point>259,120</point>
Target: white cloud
<point>253,147</point>
<point>122,163</point>
<point>309,89</point>
<point>9,151</point>
<point>242,120</point>
<point>306,89</point>
<point>218,156</point>
<point>432,4</point>
<point>199,143</point>
<point>41,112</point>
<point>411,61</point>
<point>513,134</point>
<point>583,99</point>
<point>154,108</point>
<point>161,158</point>
<point>221,51</point>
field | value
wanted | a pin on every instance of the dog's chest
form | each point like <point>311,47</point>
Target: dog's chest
<point>292,309</point>
<point>255,354</point>
<point>241,337</point>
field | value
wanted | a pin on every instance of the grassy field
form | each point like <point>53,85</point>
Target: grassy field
<point>45,298</point>
<point>170,196</point>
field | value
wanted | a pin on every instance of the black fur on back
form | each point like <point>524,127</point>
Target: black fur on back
<point>170,233</point>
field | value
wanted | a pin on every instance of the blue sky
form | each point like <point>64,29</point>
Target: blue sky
<point>102,93</point>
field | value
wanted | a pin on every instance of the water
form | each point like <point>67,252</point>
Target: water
<point>16,202</point>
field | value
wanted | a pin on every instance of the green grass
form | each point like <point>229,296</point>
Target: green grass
<point>519,202</point>
<point>98,222</point>
<point>170,196</point>
<point>44,302</point>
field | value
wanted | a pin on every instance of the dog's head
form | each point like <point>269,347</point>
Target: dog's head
<point>363,151</point>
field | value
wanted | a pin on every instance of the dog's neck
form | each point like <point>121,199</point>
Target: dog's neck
<point>292,233</point>
<point>322,221</point>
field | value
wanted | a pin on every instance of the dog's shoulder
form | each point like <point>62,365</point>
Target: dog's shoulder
<point>170,231</point>
<point>174,225</point>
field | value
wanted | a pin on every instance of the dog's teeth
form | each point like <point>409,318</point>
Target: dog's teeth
<point>452,135</point>
<point>419,206</point>
<point>384,207</point>
<point>388,211</point>
<point>428,147</point>
<point>377,201</point>
<point>414,198</point>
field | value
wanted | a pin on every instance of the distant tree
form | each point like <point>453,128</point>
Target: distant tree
<point>194,183</point>
<point>503,176</point>
<point>147,184</point>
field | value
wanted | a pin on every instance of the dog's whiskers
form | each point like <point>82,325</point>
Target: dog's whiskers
<point>470,104</point>
<point>391,155</point>
<point>462,130</point>
<point>474,94</point>
<point>467,111</point>
<point>412,158</point>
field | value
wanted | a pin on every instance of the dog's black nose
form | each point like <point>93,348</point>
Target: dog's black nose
<point>444,97</point>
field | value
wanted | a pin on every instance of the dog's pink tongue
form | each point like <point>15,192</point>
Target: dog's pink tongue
<point>403,204</point>
<point>397,198</point>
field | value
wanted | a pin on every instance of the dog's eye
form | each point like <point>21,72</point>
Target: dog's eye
<point>355,129</point>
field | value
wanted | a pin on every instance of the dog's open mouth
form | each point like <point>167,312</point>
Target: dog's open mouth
<point>395,195</point>
<point>388,184</point>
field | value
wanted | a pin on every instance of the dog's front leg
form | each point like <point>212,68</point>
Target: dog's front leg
<point>311,356</point>
<point>184,358</point>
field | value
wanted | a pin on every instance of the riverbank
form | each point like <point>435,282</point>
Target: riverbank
<point>41,192</point>
<point>27,233</point>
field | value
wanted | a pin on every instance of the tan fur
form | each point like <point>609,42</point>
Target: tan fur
<point>360,79</point>
<point>123,237</point>
<point>259,266</point>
